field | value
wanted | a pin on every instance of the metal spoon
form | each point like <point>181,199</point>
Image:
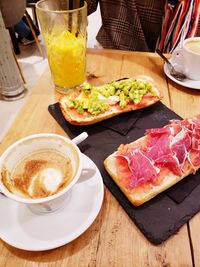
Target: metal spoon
<point>176,74</point>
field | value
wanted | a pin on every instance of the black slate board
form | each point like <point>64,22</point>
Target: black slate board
<point>162,216</point>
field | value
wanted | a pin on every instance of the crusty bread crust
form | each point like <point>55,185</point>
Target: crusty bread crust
<point>139,195</point>
<point>77,119</point>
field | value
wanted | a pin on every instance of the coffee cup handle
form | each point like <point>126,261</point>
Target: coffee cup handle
<point>177,56</point>
<point>177,60</point>
<point>80,138</point>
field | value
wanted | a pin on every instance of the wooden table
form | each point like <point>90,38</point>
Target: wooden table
<point>113,239</point>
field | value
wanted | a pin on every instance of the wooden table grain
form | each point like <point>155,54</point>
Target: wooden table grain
<point>113,239</point>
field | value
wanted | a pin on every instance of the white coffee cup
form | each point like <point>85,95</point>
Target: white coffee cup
<point>187,58</point>
<point>41,142</point>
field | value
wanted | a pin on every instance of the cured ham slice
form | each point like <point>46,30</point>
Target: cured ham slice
<point>123,170</point>
<point>158,131</point>
<point>175,147</point>
<point>155,162</point>
<point>181,144</point>
<point>141,168</point>
<point>170,162</point>
<point>158,146</point>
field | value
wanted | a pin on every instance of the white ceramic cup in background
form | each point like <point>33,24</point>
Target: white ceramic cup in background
<point>187,58</point>
<point>40,142</point>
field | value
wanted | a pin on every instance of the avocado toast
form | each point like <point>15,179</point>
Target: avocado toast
<point>91,104</point>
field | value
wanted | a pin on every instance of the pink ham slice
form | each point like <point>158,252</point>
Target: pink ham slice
<point>160,152</point>
<point>170,162</point>
<point>172,147</point>
<point>157,131</point>
<point>182,146</point>
<point>195,152</point>
<point>123,171</point>
<point>141,169</point>
<point>158,146</point>
<point>196,138</point>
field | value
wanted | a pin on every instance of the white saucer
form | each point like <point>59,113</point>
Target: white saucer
<point>187,83</point>
<point>23,229</point>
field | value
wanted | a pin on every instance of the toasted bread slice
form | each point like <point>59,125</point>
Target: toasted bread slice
<point>153,163</point>
<point>73,117</point>
<point>141,194</point>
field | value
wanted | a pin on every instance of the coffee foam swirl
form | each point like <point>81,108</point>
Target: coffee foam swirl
<point>48,180</point>
<point>193,46</point>
<point>39,175</point>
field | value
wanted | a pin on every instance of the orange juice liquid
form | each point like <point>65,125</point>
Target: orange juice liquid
<point>67,59</point>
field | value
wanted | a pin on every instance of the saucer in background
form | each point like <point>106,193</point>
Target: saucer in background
<point>187,83</point>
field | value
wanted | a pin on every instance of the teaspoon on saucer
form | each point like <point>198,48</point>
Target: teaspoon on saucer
<point>176,74</point>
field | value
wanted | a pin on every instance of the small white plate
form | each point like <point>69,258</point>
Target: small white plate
<point>187,83</point>
<point>23,229</point>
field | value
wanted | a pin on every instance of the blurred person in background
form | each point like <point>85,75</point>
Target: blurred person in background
<point>23,31</point>
<point>143,25</point>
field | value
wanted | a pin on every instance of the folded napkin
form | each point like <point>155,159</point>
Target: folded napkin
<point>122,123</point>
<point>181,190</point>
<point>166,213</point>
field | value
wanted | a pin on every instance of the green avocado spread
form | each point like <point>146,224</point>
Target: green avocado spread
<point>97,100</point>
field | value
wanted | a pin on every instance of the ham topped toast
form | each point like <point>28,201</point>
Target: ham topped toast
<point>155,162</point>
<point>90,104</point>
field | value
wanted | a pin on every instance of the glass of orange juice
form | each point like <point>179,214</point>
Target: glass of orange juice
<point>63,26</point>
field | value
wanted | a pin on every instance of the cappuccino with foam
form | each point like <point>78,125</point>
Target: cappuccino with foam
<point>193,46</point>
<point>39,175</point>
<point>187,58</point>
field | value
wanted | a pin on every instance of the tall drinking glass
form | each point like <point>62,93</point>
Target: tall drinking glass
<point>64,31</point>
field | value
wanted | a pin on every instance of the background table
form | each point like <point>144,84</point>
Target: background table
<point>113,239</point>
